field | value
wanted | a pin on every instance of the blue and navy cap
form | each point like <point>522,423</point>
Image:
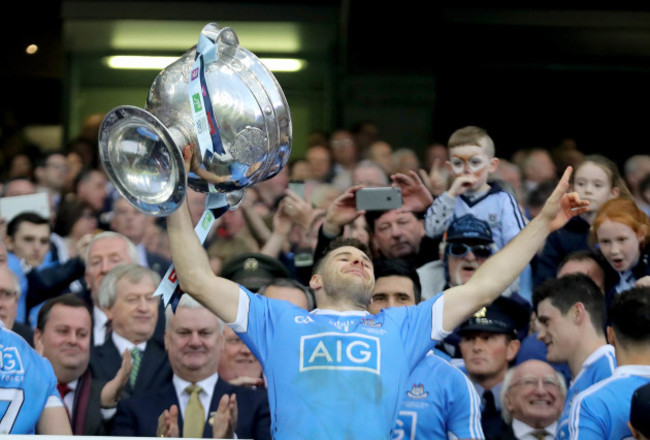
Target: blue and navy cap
<point>469,228</point>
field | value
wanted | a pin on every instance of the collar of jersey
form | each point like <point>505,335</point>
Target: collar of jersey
<point>336,312</point>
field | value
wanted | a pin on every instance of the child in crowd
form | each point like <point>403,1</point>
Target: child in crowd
<point>598,180</point>
<point>622,232</point>
<point>471,161</point>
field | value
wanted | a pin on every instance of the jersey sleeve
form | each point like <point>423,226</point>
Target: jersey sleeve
<point>464,416</point>
<point>512,220</point>
<point>439,215</point>
<point>587,421</point>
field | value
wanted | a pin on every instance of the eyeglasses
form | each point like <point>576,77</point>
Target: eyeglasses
<point>548,382</point>
<point>461,249</point>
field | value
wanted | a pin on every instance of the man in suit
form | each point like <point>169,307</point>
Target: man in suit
<point>193,339</point>
<point>126,295</point>
<point>532,397</point>
<point>63,336</point>
<point>105,251</point>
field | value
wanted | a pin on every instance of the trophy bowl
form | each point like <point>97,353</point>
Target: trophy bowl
<point>219,99</point>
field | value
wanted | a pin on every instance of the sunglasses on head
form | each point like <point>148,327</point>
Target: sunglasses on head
<point>461,249</point>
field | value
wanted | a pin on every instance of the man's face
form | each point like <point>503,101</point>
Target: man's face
<point>319,161</point>
<point>135,311</point>
<point>398,234</point>
<point>471,160</point>
<point>236,360</point>
<point>20,187</point>
<point>534,396</point>
<point>487,354</point>
<point>391,291</point>
<point>54,172</point>
<point>461,269</point>
<point>557,331</point>
<point>129,221</point>
<point>3,256</point>
<point>65,340</point>
<point>194,342</point>
<point>346,271</point>
<point>30,242</point>
<point>382,154</point>
<point>93,190</point>
<point>104,255</point>
<point>293,295</point>
<point>8,297</point>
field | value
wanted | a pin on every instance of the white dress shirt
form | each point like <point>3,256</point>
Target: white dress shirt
<point>525,432</point>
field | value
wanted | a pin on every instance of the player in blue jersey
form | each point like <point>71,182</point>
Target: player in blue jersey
<point>29,400</point>
<point>602,410</point>
<point>571,316</point>
<point>337,372</point>
<point>431,407</point>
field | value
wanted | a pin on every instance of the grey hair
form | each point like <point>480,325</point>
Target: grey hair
<point>507,382</point>
<point>132,272</point>
<point>187,302</point>
<point>15,280</point>
<point>132,250</point>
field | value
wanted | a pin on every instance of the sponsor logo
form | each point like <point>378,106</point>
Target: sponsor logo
<point>303,319</point>
<point>196,102</point>
<point>195,73</point>
<point>205,224</point>
<point>417,392</point>
<point>10,361</point>
<point>343,325</point>
<point>336,351</point>
<point>405,426</point>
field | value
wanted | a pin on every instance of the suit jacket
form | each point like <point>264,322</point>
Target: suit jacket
<point>86,414</point>
<point>138,416</point>
<point>154,372</point>
<point>25,331</point>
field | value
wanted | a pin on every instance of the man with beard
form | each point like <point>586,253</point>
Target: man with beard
<point>330,368</point>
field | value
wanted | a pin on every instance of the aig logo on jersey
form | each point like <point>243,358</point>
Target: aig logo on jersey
<point>10,361</point>
<point>337,351</point>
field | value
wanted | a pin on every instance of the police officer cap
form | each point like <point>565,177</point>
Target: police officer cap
<point>640,409</point>
<point>471,228</point>
<point>253,270</point>
<point>504,315</point>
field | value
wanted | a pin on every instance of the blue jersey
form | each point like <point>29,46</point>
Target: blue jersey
<point>440,403</point>
<point>598,366</point>
<point>497,207</point>
<point>602,410</point>
<point>336,374</point>
<point>27,385</point>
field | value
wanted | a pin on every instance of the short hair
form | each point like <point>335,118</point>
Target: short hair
<point>630,316</point>
<point>339,243</point>
<point>367,163</point>
<point>507,381</point>
<point>472,135</point>
<point>400,268</point>
<point>84,175</point>
<point>68,300</point>
<point>69,211</point>
<point>131,249</point>
<point>632,163</point>
<point>25,217</point>
<point>7,184</point>
<point>41,160</point>
<point>14,279</point>
<point>289,282</point>
<point>132,272</point>
<point>187,302</point>
<point>584,255</point>
<point>566,291</point>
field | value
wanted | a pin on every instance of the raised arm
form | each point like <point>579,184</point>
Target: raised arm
<point>193,270</point>
<point>493,276</point>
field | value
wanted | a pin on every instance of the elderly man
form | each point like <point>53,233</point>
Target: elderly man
<point>10,293</point>
<point>341,346</point>
<point>531,401</point>
<point>126,295</point>
<point>63,337</point>
<point>193,340</point>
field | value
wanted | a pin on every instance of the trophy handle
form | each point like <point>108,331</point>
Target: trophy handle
<point>225,39</point>
<point>142,160</point>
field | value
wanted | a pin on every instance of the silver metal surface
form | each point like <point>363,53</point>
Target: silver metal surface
<point>141,150</point>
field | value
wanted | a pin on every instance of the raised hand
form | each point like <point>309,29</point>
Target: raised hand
<point>436,180</point>
<point>113,388</point>
<point>562,206</point>
<point>415,195</point>
<point>342,211</point>
<point>168,423</point>
<point>224,419</point>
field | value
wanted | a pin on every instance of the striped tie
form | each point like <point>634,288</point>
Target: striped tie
<point>194,418</point>
<point>136,357</point>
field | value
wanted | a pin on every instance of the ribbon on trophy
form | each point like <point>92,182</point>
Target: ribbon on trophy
<point>210,143</point>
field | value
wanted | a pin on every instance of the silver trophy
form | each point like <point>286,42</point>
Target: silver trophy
<point>222,101</point>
